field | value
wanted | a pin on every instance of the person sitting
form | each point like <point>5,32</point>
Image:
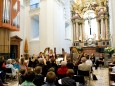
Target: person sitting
<point>93,58</point>
<point>88,61</point>
<point>2,69</point>
<point>29,77</point>
<point>39,78</point>
<point>68,81</point>
<point>84,66</point>
<point>22,76</point>
<point>16,65</point>
<point>50,79</point>
<point>101,60</point>
<point>9,65</point>
<point>62,70</point>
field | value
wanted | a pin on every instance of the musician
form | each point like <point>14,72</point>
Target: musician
<point>93,58</point>
<point>51,54</point>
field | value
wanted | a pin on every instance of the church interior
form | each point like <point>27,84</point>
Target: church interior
<point>57,43</point>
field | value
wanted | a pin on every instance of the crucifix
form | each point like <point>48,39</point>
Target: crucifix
<point>89,22</point>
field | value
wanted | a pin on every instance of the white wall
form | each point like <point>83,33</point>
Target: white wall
<point>51,28</point>
<point>43,25</point>
<point>112,21</point>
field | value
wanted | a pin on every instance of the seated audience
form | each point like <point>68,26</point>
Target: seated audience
<point>22,76</point>
<point>39,78</point>
<point>42,64</point>
<point>100,61</point>
<point>29,77</point>
<point>9,65</point>
<point>88,61</point>
<point>2,69</point>
<point>70,65</point>
<point>23,65</point>
<point>16,65</point>
<point>84,66</point>
<point>62,70</point>
<point>93,58</point>
<point>68,81</point>
<point>50,79</point>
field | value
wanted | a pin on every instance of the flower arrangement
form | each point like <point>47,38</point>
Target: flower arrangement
<point>109,50</point>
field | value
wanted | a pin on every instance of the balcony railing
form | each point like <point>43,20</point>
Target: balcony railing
<point>34,6</point>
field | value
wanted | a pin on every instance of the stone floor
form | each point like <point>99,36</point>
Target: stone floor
<point>102,75</point>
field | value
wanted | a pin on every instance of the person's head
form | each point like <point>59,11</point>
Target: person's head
<point>63,63</point>
<point>38,69</point>
<point>30,75</point>
<point>51,69</point>
<point>41,61</point>
<point>83,59</point>
<point>3,57</point>
<point>50,77</point>
<point>87,57</point>
<point>92,54</point>
<point>22,71</point>
<point>85,54</point>
<point>13,61</point>
<point>70,73</point>
<point>52,60</point>
<point>9,61</point>
<point>48,63</point>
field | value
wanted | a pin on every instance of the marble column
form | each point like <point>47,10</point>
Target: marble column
<point>73,31</point>
<point>83,32</point>
<point>80,37</point>
<point>98,26</point>
<point>102,28</point>
<point>76,31</point>
<point>107,31</point>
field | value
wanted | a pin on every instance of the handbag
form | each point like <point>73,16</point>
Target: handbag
<point>94,77</point>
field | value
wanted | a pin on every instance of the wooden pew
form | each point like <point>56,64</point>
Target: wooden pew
<point>111,75</point>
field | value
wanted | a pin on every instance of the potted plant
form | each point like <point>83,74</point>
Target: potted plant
<point>109,50</point>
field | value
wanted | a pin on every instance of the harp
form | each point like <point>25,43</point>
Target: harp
<point>76,55</point>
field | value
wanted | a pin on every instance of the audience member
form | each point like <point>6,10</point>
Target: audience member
<point>29,77</point>
<point>22,76</point>
<point>50,79</point>
<point>39,78</point>
<point>84,66</point>
<point>68,81</point>
<point>62,70</point>
<point>9,65</point>
<point>93,58</point>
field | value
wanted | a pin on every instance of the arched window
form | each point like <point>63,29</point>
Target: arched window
<point>35,27</point>
<point>91,29</point>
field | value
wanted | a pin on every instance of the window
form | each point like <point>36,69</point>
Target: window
<point>35,27</point>
<point>67,31</point>
<point>34,4</point>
